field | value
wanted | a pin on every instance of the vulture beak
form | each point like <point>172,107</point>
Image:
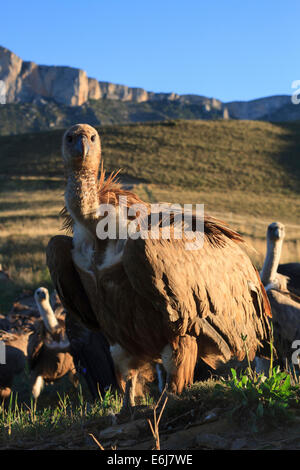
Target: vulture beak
<point>82,146</point>
<point>41,295</point>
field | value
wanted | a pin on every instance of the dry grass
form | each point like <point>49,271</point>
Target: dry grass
<point>28,218</point>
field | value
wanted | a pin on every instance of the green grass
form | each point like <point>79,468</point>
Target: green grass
<point>26,420</point>
<point>249,402</point>
<point>257,400</point>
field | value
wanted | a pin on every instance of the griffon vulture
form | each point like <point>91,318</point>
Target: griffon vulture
<point>152,298</point>
<point>288,277</point>
<point>283,296</point>
<point>49,358</point>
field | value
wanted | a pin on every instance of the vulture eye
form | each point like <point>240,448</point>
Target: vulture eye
<point>69,138</point>
<point>93,138</point>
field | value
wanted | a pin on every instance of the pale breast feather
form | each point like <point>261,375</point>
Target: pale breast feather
<point>113,253</point>
<point>83,247</point>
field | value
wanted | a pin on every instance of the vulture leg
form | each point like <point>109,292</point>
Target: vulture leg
<point>37,387</point>
<point>5,392</point>
<point>89,347</point>
<point>127,373</point>
<point>179,361</point>
<point>73,378</point>
<point>129,395</point>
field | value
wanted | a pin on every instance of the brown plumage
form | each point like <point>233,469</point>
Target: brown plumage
<point>21,317</point>
<point>292,273</point>
<point>286,323</point>
<point>48,353</point>
<point>15,359</point>
<point>154,299</point>
<point>89,347</point>
<point>283,294</point>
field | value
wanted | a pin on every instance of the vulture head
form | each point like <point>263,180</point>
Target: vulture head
<point>41,295</point>
<point>276,231</point>
<point>52,324</point>
<point>275,237</point>
<point>81,147</point>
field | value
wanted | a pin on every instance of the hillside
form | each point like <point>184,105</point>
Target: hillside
<point>245,172</point>
<point>18,118</point>
<point>249,156</point>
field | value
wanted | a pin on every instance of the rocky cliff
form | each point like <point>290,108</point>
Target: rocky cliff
<point>27,82</point>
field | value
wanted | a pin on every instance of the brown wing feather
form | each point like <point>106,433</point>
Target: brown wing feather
<point>160,291</point>
<point>67,281</point>
<point>90,348</point>
<point>35,343</point>
<point>213,293</point>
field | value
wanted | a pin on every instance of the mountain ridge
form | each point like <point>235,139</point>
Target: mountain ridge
<point>56,93</point>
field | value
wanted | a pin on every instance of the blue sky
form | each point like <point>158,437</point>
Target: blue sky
<point>229,49</point>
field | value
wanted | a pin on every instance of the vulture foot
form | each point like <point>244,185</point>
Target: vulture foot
<point>129,395</point>
<point>5,392</point>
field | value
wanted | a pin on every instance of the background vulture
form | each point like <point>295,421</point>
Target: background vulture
<point>89,349</point>
<point>292,272</point>
<point>283,293</point>
<point>48,356</point>
<point>152,298</point>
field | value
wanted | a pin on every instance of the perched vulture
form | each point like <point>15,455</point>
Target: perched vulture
<point>49,358</point>
<point>288,278</point>
<point>15,359</point>
<point>283,296</point>
<point>152,298</point>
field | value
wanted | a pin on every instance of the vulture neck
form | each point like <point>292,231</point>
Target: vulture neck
<point>48,316</point>
<point>269,269</point>
<point>82,194</point>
